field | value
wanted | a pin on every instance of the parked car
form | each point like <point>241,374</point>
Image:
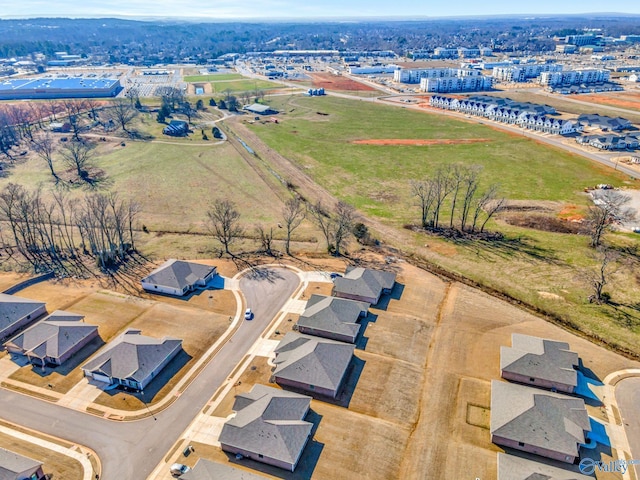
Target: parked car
<point>178,469</point>
<point>248,314</point>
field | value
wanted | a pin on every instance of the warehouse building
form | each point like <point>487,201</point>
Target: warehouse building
<point>45,87</point>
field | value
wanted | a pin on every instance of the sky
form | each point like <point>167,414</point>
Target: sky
<point>303,9</point>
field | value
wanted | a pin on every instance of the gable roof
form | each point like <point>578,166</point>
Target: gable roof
<point>14,308</point>
<point>132,356</point>
<point>55,335</point>
<point>312,360</point>
<point>364,282</point>
<point>539,418</point>
<point>512,467</point>
<point>12,463</point>
<point>540,358</point>
<point>207,470</point>
<point>332,314</point>
<point>178,274</point>
<point>269,421</point>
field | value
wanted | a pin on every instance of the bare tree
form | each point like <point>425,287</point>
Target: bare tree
<point>491,208</point>
<point>344,218</point>
<point>73,109</point>
<point>293,214</point>
<point>485,202</point>
<point>123,114</point>
<point>608,210</point>
<point>266,238</point>
<point>223,223</point>
<point>424,191</point>
<point>44,146</point>
<point>78,154</point>
<point>470,186</point>
<point>442,187</point>
<point>93,106</point>
<point>599,277</point>
<point>9,135</point>
<point>324,221</point>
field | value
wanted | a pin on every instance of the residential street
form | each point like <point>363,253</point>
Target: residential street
<point>131,450</point>
<point>628,398</point>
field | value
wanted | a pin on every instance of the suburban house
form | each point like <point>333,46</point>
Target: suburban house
<point>208,470</point>
<point>313,364</point>
<point>14,466</point>
<point>609,142</point>
<point>260,109</point>
<point>177,277</point>
<point>132,360</point>
<point>268,427</point>
<point>16,312</point>
<point>176,128</point>
<point>53,340</point>
<point>332,317</point>
<point>512,467</point>
<point>539,362</point>
<point>363,284</point>
<point>548,424</point>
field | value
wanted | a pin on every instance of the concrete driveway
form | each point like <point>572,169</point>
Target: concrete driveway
<point>131,450</point>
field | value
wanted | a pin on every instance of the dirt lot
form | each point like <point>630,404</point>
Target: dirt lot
<point>464,359</point>
<point>9,279</point>
<point>422,142</point>
<point>55,465</point>
<point>629,100</point>
<point>336,82</point>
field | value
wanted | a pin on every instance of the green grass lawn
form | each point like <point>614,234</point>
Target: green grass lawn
<point>244,85</point>
<point>541,268</point>
<point>216,77</point>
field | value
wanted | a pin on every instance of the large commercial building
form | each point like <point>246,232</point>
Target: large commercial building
<point>46,87</point>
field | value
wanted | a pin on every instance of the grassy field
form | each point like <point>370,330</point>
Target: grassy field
<point>216,77</point>
<point>317,135</point>
<point>243,85</point>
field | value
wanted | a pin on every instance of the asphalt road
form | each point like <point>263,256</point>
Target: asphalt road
<point>131,450</point>
<point>628,398</point>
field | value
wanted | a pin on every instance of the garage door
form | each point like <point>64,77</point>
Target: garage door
<point>101,378</point>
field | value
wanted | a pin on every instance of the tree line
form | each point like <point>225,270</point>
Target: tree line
<point>454,190</point>
<point>59,233</point>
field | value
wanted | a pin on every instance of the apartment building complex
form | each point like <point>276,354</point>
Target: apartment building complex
<point>522,73</point>
<point>469,83</point>
<point>574,77</point>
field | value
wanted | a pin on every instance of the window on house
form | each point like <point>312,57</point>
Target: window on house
<point>260,455</point>
<point>521,444</point>
<point>312,387</point>
<point>531,379</point>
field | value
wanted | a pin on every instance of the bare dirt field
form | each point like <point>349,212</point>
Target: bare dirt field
<point>617,99</point>
<point>422,142</point>
<point>336,82</point>
<point>9,279</point>
<point>55,465</point>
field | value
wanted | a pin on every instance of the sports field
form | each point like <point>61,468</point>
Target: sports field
<point>232,82</point>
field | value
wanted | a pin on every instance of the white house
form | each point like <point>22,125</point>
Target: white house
<point>177,277</point>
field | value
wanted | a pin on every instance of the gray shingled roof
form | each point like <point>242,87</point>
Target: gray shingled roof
<point>178,274</point>
<point>364,282</point>
<point>207,470</point>
<point>312,360</point>
<point>539,418</point>
<point>511,467</point>
<point>332,314</point>
<point>540,358</point>
<point>269,422</point>
<point>55,335</point>
<point>132,356</point>
<point>12,463</point>
<point>13,308</point>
